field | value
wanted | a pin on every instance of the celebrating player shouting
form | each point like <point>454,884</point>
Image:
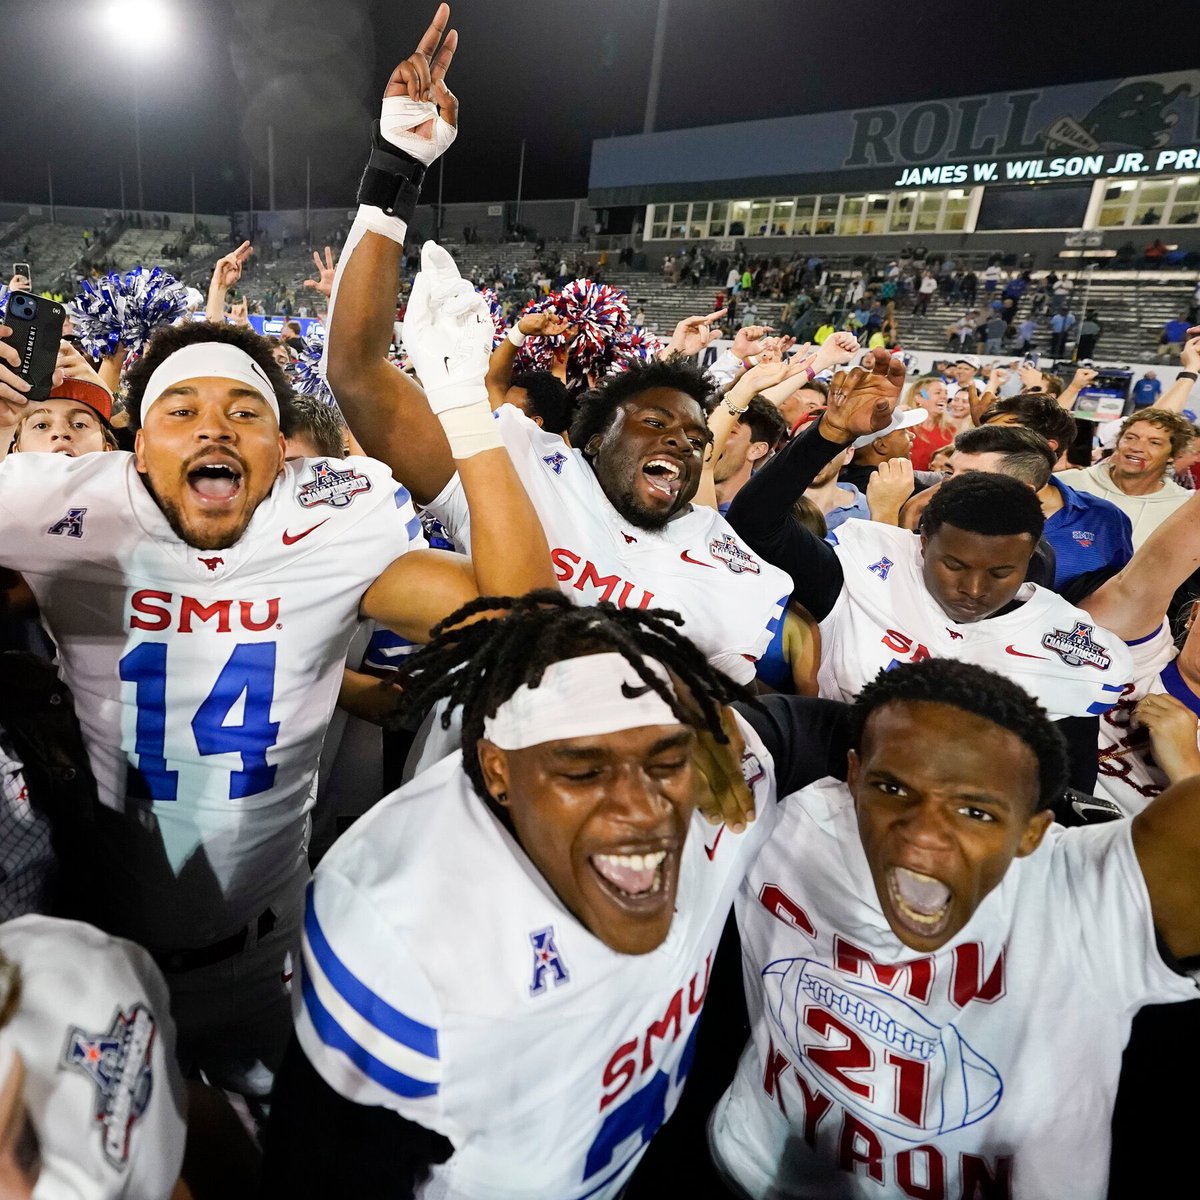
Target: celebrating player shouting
<point>202,594</point>
<point>617,509</point>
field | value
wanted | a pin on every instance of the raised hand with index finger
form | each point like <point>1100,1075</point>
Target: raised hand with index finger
<point>419,113</point>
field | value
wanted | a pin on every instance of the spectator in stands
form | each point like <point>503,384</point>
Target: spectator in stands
<point>1155,252</point>
<point>934,431</point>
<point>1026,334</point>
<point>925,290</point>
<point>1089,334</point>
<point>1061,325</point>
<point>758,431</point>
<point>1147,390</point>
<point>969,287</point>
<point>992,276</point>
<point>1174,334</point>
<point>994,331</point>
<point>1135,477</point>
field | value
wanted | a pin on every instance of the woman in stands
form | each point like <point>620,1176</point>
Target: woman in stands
<point>937,430</point>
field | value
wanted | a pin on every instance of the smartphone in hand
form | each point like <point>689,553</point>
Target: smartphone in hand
<point>36,325</point>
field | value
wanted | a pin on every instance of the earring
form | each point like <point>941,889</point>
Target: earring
<point>502,798</point>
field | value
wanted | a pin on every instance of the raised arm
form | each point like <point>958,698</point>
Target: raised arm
<point>226,273</point>
<point>500,365</point>
<point>1133,603</point>
<point>1175,398</point>
<point>861,401</point>
<point>1166,839</point>
<point>385,409</point>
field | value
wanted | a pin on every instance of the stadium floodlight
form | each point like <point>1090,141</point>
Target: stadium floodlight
<point>141,25</point>
<point>142,28</point>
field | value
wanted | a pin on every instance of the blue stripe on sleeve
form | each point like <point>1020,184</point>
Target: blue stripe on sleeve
<point>372,1008</point>
<point>402,496</point>
<point>1143,640</point>
<point>413,529</point>
<point>334,1036</point>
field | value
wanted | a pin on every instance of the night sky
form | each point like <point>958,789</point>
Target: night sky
<point>557,72</point>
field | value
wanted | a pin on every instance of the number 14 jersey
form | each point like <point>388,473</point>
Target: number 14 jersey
<point>203,679</point>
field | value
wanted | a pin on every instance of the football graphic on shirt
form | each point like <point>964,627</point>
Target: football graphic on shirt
<point>876,1053</point>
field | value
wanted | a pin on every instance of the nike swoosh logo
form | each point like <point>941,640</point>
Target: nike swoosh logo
<point>1022,654</point>
<point>711,850</point>
<point>290,539</point>
<point>687,558</point>
<point>632,693</point>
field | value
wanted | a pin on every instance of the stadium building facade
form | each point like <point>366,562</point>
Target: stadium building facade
<point>1107,163</point>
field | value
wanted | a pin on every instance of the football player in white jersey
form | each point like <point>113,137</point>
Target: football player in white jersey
<point>912,938</point>
<point>616,504</point>
<point>504,962</point>
<point>202,594</point>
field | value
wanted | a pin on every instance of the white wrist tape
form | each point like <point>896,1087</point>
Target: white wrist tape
<point>376,220</point>
<point>515,336</point>
<point>470,430</point>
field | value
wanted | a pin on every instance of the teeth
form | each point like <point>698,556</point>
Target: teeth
<point>634,862</point>
<point>669,467</point>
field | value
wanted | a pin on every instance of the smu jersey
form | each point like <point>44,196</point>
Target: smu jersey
<point>443,979</point>
<point>203,679</point>
<point>1127,773</point>
<point>986,1068</point>
<point>93,1026</point>
<point>885,616</point>
<point>731,600</point>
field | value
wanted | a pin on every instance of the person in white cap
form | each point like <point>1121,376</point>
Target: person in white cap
<point>202,594</point>
<point>87,1050</point>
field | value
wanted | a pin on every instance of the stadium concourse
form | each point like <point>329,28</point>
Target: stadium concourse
<point>680,690</point>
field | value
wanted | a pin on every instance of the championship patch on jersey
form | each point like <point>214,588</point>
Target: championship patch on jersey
<point>1076,648</point>
<point>70,525</point>
<point>118,1063</point>
<point>548,965</point>
<point>739,561</point>
<point>1085,537</point>
<point>555,461</point>
<point>331,486</point>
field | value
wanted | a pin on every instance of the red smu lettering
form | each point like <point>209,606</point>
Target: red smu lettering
<point>621,1068</point>
<point>899,643</point>
<point>779,904</point>
<point>582,573</point>
<point>967,983</point>
<point>915,976</point>
<point>154,612</point>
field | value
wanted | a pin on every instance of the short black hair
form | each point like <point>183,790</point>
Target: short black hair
<point>1040,412</point>
<point>991,505</point>
<point>549,399</point>
<point>478,666</point>
<point>323,425</point>
<point>597,408</point>
<point>170,338</point>
<point>1026,455</point>
<point>975,690</point>
<point>766,422</point>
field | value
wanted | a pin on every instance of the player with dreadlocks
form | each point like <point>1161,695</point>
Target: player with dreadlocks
<point>505,961</point>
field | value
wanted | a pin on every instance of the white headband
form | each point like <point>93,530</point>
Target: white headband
<point>202,360</point>
<point>580,697</point>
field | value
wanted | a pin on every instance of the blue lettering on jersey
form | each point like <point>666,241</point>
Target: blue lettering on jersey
<point>882,567</point>
<point>71,525</point>
<point>555,461</point>
<point>546,959</point>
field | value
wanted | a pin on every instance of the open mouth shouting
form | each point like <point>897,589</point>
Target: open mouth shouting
<point>216,482</point>
<point>663,478</point>
<point>638,882</point>
<point>920,903</point>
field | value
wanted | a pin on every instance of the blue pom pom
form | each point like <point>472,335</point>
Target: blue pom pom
<point>3,298</point>
<point>306,370</point>
<point>125,309</point>
<point>497,311</point>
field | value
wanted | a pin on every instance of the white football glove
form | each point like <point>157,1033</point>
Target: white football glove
<point>448,333</point>
<point>400,116</point>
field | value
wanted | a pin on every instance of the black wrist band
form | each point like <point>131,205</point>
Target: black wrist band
<point>1187,375</point>
<point>391,180</point>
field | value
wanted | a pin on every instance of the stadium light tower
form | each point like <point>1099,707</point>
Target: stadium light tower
<point>142,29</point>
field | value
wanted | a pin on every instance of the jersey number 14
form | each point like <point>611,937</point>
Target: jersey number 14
<point>250,671</point>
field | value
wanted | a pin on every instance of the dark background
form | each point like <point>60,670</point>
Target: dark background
<point>557,72</point>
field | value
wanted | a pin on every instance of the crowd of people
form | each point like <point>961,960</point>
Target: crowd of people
<point>427,774</point>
